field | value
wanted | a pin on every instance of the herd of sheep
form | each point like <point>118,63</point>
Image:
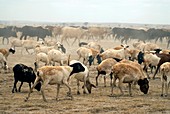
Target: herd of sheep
<point>122,63</point>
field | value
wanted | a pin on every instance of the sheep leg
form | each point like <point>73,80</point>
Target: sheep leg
<point>104,81</point>
<point>166,89</point>
<point>162,88</point>
<point>97,78</point>
<point>130,89</point>
<point>15,87</point>
<point>112,85</point>
<point>43,88</point>
<point>20,87</point>
<point>35,83</point>
<point>69,92</point>
<point>78,85</point>
<point>156,71</point>
<point>58,89</point>
<point>120,87</point>
<point>27,51</point>
<point>84,91</point>
<point>74,41</point>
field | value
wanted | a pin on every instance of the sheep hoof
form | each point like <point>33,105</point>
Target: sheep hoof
<point>26,99</point>
<point>84,92</point>
<point>166,95</point>
<point>161,95</point>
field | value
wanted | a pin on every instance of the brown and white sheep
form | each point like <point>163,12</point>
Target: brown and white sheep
<point>58,75</point>
<point>127,73</point>
<point>87,54</point>
<point>165,78</point>
<point>6,52</point>
<point>105,68</point>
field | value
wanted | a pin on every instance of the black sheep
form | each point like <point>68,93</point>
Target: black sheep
<point>23,73</point>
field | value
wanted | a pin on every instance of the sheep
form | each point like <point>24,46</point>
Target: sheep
<point>25,44</point>
<point>57,56</point>
<point>112,53</point>
<point>165,78</point>
<point>71,32</point>
<point>44,49</point>
<point>87,54</point>
<point>83,77</point>
<point>58,75</point>
<point>105,68</point>
<point>148,59</point>
<point>134,54</point>
<point>95,46</point>
<point>43,57</point>
<point>6,52</point>
<point>23,73</point>
<point>127,73</point>
<point>3,61</point>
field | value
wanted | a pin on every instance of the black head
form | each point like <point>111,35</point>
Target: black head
<point>77,67</point>
<point>140,57</point>
<point>99,60</point>
<point>91,59</point>
<point>144,85</point>
<point>12,50</point>
<point>89,86</point>
<point>38,86</point>
<point>157,50</point>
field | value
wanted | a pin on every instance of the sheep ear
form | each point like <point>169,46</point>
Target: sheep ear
<point>122,45</point>
<point>93,85</point>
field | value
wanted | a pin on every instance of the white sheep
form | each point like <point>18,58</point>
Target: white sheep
<point>165,78</point>
<point>57,56</point>
<point>41,57</point>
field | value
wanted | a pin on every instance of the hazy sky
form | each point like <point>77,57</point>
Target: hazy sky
<point>123,11</point>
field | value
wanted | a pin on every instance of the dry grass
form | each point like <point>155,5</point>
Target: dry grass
<point>97,102</point>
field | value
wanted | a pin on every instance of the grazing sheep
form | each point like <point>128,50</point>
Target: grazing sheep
<point>23,73</point>
<point>58,75</point>
<point>87,54</point>
<point>83,77</point>
<point>105,68</point>
<point>127,73</point>
<point>6,52</point>
<point>57,56</point>
<point>165,78</point>
<point>43,57</point>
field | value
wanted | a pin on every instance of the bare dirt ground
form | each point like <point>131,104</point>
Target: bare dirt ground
<point>97,102</point>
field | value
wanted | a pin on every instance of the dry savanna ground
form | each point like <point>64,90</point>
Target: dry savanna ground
<point>97,102</point>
